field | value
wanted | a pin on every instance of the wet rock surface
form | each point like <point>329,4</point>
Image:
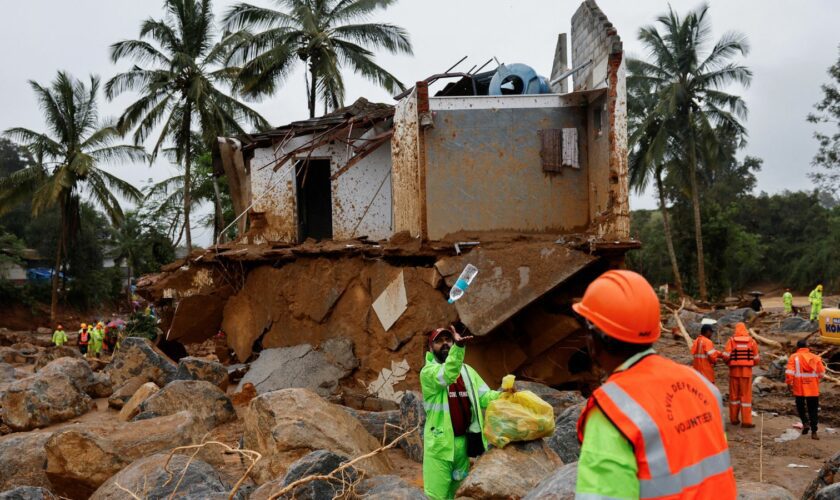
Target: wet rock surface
<point>559,485</point>
<point>510,472</point>
<point>412,414</point>
<point>564,441</point>
<point>191,368</point>
<point>138,357</point>
<point>22,459</point>
<point>204,400</point>
<point>42,400</point>
<point>316,463</point>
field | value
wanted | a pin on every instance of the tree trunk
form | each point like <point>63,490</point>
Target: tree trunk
<point>219,216</point>
<point>695,201</point>
<point>312,90</point>
<point>128,286</point>
<point>57,268</point>
<point>669,241</point>
<point>187,160</point>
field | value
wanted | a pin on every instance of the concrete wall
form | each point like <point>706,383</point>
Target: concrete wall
<point>484,171</point>
<point>13,272</point>
<point>361,195</point>
<point>407,168</point>
<point>595,38</point>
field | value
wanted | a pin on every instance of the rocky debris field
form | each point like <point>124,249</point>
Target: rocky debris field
<point>141,424</point>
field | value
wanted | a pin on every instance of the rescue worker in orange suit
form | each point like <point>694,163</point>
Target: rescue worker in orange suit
<point>741,354</point>
<point>705,354</point>
<point>655,428</point>
<point>803,374</point>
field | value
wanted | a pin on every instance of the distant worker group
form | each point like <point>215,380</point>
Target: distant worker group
<point>93,339</point>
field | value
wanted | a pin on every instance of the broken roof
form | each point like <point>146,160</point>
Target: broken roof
<point>362,114</point>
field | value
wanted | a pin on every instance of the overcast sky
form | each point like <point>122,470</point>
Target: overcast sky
<point>793,44</point>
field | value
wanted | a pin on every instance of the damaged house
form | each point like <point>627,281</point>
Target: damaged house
<point>355,224</point>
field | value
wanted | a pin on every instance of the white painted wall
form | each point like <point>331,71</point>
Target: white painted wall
<point>13,272</point>
<point>361,195</point>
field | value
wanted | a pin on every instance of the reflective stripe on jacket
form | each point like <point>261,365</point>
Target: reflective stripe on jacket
<point>673,417</point>
<point>804,371</point>
<point>435,379</point>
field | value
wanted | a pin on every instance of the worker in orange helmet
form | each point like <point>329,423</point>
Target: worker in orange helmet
<point>655,428</point>
<point>704,353</point>
<point>803,374</point>
<point>741,354</point>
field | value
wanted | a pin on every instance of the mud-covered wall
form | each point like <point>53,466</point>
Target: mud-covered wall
<point>484,169</point>
<point>407,168</point>
<point>273,194</point>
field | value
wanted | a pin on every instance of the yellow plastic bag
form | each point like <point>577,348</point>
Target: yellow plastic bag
<point>517,416</point>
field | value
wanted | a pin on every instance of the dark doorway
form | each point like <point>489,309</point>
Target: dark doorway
<point>314,199</point>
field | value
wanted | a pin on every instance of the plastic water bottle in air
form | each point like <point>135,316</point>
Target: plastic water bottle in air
<point>460,286</point>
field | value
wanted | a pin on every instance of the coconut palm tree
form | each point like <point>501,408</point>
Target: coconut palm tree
<point>688,77</point>
<point>68,162</point>
<point>320,33</point>
<point>179,87</point>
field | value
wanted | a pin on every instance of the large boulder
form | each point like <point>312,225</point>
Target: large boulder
<point>147,478</point>
<point>22,458</point>
<point>191,368</point>
<point>796,324</point>
<point>383,425</point>
<point>559,400</point>
<point>139,357</point>
<point>388,488</point>
<point>564,441</point>
<point>203,399</point>
<point>828,474</point>
<point>80,460</point>
<point>10,355</point>
<point>730,317</point>
<point>28,493</point>
<point>317,463</point>
<point>413,414</point>
<point>302,366</point>
<point>829,493</point>
<point>748,490</point>
<point>39,401</point>
<point>560,485</point>
<point>123,393</point>
<point>132,407</point>
<point>8,373</point>
<point>510,472</point>
<point>285,425</point>
<point>66,351</point>
<point>95,385</point>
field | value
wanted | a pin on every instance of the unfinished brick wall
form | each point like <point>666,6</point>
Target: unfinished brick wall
<point>595,38</point>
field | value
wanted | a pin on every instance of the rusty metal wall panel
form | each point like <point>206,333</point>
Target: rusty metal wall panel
<point>484,173</point>
<point>405,167</point>
<point>509,279</point>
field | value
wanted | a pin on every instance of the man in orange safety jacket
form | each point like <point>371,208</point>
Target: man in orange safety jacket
<point>741,354</point>
<point>704,353</point>
<point>655,428</point>
<point>803,374</point>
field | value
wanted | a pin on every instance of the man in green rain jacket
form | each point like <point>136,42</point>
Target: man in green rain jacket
<point>454,397</point>
<point>815,297</point>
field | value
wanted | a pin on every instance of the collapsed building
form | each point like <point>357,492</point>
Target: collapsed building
<point>355,224</point>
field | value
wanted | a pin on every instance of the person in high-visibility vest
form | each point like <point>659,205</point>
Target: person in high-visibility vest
<point>84,339</point>
<point>655,428</point>
<point>803,373</point>
<point>704,354</point>
<point>816,299</point>
<point>96,338</point>
<point>59,336</point>
<point>454,397</point>
<point>741,354</point>
<point>787,300</point>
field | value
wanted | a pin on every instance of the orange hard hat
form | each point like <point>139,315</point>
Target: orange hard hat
<point>740,330</point>
<point>623,305</point>
<point>83,325</point>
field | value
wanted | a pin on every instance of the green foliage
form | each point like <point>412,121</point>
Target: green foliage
<point>326,35</point>
<point>827,159</point>
<point>141,325</point>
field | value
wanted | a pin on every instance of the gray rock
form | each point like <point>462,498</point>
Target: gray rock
<point>796,324</point>
<point>730,317</point>
<point>825,476</point>
<point>22,459</point>
<point>510,472</point>
<point>66,351</point>
<point>748,490</point>
<point>148,479</point>
<point>380,424</point>
<point>388,488</point>
<point>564,441</point>
<point>762,386</point>
<point>191,368</point>
<point>829,492</point>
<point>319,462</point>
<point>559,400</point>
<point>9,355</point>
<point>560,485</point>
<point>776,370</point>
<point>28,493</point>
<point>39,401</point>
<point>96,385</point>
<point>204,400</point>
<point>7,373</point>
<point>302,367</point>
<point>413,414</point>
<point>138,357</point>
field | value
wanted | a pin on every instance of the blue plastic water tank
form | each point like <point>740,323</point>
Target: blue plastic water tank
<point>516,79</point>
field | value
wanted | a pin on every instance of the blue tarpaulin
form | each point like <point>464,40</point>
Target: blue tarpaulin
<point>41,274</point>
